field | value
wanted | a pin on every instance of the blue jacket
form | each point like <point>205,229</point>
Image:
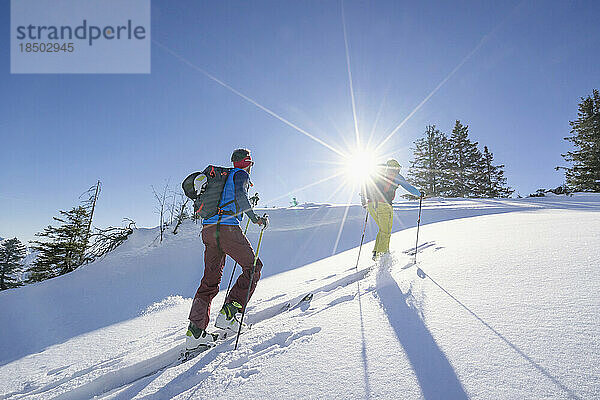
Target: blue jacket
<point>234,200</point>
<point>407,186</point>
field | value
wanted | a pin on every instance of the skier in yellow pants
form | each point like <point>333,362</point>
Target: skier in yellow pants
<point>381,212</point>
<point>378,197</point>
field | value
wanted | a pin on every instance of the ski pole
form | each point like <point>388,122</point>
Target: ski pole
<point>249,287</point>
<point>362,237</point>
<point>420,272</point>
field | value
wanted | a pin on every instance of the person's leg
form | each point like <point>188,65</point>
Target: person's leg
<point>385,216</point>
<point>235,244</point>
<point>214,260</point>
<point>372,208</point>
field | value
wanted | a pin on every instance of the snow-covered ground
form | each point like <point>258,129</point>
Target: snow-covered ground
<point>509,308</point>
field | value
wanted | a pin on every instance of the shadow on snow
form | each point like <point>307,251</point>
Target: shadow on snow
<point>432,368</point>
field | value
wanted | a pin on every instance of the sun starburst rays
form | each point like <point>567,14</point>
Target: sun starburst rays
<point>356,162</point>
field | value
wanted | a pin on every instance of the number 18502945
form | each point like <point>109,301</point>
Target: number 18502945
<point>46,47</point>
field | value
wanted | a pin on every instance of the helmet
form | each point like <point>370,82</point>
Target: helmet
<point>393,164</point>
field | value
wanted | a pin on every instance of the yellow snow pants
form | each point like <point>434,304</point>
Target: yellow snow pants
<point>382,214</point>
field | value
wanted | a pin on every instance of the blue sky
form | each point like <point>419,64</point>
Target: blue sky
<point>523,67</point>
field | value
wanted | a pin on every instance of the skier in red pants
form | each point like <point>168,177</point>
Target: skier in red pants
<point>222,235</point>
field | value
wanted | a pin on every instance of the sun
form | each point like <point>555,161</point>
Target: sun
<point>360,166</point>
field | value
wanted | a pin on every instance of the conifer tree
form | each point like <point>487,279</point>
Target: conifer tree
<point>428,169</point>
<point>463,159</point>
<point>490,178</point>
<point>65,245</point>
<point>12,252</point>
<point>584,174</point>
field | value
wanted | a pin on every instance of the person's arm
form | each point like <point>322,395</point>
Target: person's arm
<point>241,182</point>
<point>407,186</point>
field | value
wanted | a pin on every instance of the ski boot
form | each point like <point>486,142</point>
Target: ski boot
<point>197,338</point>
<point>229,317</point>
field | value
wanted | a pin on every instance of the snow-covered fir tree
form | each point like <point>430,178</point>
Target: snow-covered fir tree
<point>12,252</point>
<point>463,158</point>
<point>584,174</point>
<point>428,169</point>
<point>490,178</point>
<point>63,249</point>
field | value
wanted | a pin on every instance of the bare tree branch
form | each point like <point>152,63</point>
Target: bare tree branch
<point>161,199</point>
<point>182,214</point>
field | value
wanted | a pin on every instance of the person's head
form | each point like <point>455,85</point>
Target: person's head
<point>392,167</point>
<point>241,159</point>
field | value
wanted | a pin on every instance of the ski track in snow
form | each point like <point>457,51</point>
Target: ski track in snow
<point>130,375</point>
<point>238,371</point>
<point>127,375</point>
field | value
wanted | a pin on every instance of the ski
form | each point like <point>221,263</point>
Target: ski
<point>291,306</point>
<point>303,302</point>
<point>187,354</point>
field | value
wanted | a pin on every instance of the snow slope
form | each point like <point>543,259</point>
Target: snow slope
<point>142,271</point>
<point>509,309</point>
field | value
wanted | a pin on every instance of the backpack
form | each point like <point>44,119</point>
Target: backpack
<point>206,189</point>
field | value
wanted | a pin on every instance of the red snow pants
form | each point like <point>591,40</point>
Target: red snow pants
<point>232,242</point>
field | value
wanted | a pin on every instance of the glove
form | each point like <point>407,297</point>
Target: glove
<point>263,221</point>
